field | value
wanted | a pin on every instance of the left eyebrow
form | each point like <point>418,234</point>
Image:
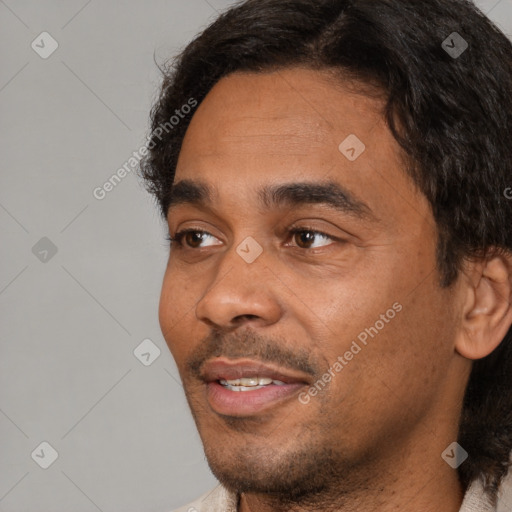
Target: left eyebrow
<point>329,193</point>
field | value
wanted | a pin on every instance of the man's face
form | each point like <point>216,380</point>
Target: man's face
<point>356,285</point>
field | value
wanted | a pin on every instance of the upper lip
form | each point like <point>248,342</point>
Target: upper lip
<point>223,368</point>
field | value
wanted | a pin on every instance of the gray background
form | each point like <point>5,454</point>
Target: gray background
<point>72,320</point>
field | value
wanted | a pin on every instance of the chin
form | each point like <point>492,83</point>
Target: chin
<point>270,470</point>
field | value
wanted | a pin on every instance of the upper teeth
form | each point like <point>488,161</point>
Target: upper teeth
<point>251,381</point>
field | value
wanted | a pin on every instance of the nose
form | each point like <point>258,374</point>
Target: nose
<point>240,293</point>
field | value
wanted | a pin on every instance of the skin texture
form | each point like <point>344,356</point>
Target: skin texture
<point>372,438</point>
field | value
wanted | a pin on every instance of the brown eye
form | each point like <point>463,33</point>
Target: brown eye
<point>193,238</point>
<point>304,238</point>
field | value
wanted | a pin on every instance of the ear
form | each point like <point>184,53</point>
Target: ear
<point>487,310</point>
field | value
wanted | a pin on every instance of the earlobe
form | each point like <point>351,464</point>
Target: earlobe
<point>487,312</point>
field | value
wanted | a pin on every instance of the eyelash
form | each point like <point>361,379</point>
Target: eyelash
<point>177,239</point>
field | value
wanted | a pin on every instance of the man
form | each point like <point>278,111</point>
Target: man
<point>337,295</point>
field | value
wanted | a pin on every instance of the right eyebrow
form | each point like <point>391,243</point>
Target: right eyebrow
<point>189,192</point>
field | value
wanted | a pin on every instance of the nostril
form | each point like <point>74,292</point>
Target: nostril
<point>240,318</point>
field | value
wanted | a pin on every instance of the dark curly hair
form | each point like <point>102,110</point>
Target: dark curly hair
<point>452,117</point>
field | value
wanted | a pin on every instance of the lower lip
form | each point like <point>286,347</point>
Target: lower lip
<point>247,403</point>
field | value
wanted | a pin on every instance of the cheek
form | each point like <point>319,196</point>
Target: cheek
<point>386,383</point>
<point>344,307</point>
<point>167,305</point>
<point>174,312</point>
<point>167,298</point>
<point>393,329</point>
<point>410,357</point>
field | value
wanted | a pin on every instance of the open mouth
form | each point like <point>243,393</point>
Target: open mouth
<point>249,383</point>
<point>246,387</point>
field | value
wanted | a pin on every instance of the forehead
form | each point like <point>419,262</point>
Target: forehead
<point>258,128</point>
<point>292,111</point>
